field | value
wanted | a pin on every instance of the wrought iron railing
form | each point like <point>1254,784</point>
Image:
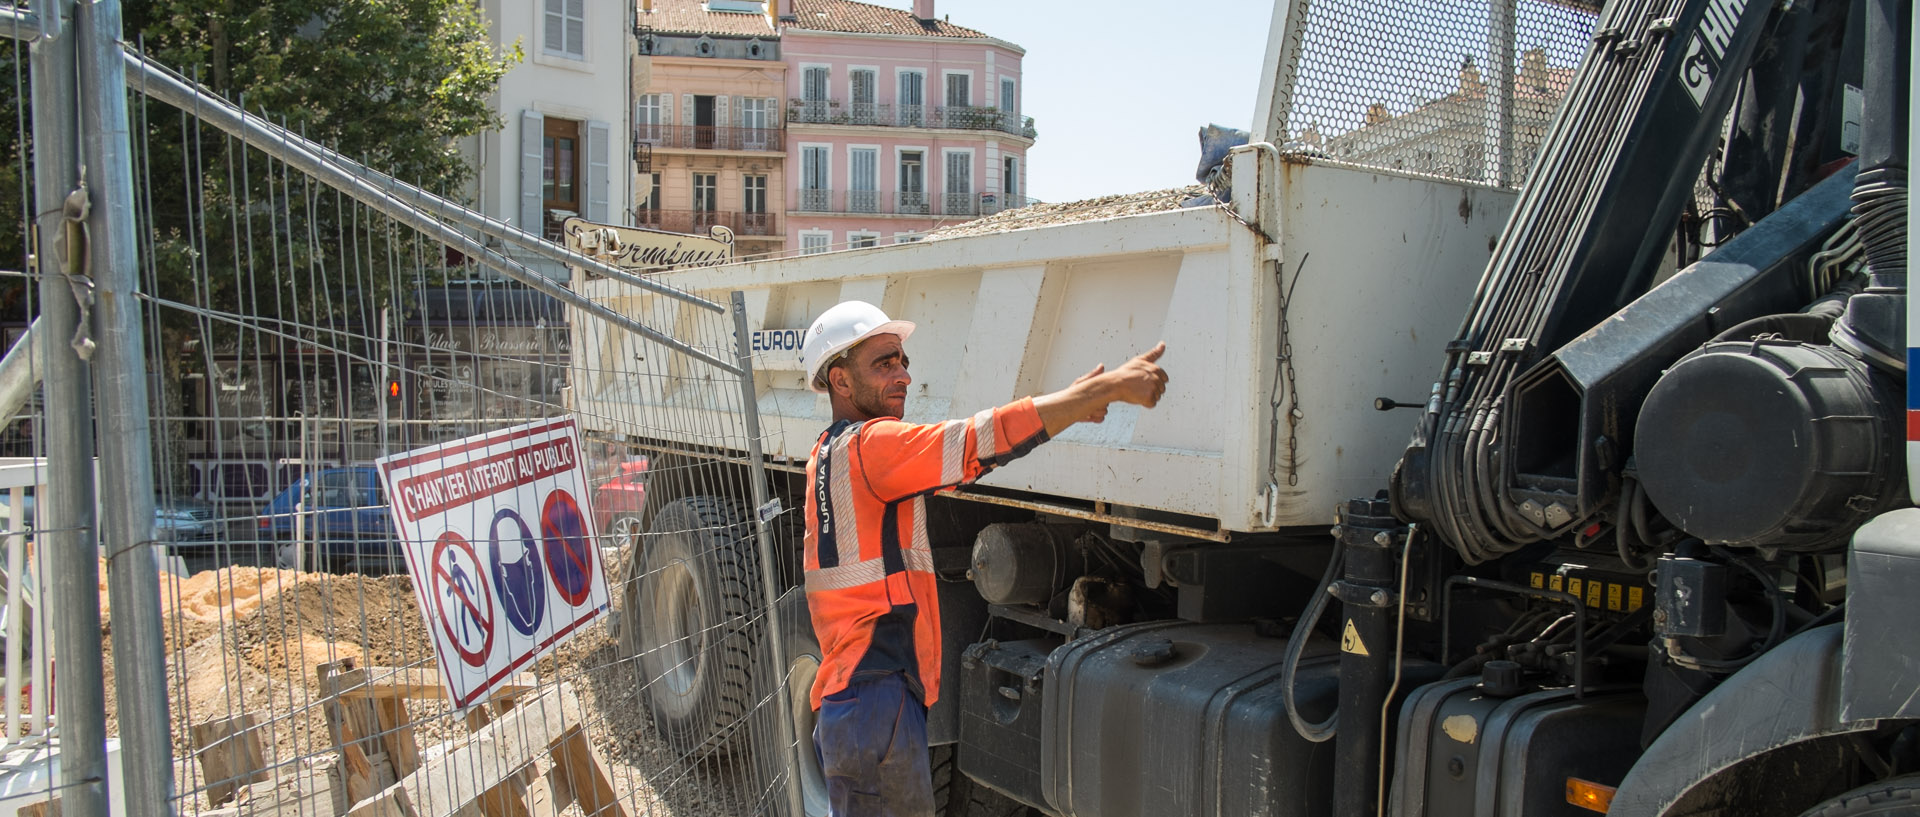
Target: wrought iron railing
<point>700,221</point>
<point>889,115</point>
<point>887,202</point>
<point>703,137</point>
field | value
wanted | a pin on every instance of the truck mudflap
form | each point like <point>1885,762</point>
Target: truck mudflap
<point>1463,750</point>
<point>1788,696</point>
<point>1176,718</point>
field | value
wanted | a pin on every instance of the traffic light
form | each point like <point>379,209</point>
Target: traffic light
<point>393,388</point>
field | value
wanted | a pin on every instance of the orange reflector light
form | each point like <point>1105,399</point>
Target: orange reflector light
<point>1589,795</point>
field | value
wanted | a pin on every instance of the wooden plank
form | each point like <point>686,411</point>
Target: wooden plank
<point>396,733</point>
<point>50,808</point>
<point>355,771</point>
<point>492,756</point>
<point>390,803</point>
<point>417,682</point>
<point>577,766</point>
<point>231,754</point>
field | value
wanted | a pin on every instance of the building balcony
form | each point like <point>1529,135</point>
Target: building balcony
<point>890,203</point>
<point>698,222</point>
<point>704,137</point>
<point>838,112</point>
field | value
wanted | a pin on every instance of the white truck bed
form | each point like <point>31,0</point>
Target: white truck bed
<point>1024,312</point>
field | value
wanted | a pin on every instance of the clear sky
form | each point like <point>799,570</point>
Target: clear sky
<point>1119,88</point>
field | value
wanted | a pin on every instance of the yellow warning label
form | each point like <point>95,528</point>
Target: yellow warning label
<point>1537,579</point>
<point>1574,586</point>
<point>1634,598</point>
<point>1593,594</point>
<point>1614,602</point>
<point>1557,582</point>
<point>1350,641</point>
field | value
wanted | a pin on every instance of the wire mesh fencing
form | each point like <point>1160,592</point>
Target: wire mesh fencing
<point>1463,90</point>
<point>416,576</point>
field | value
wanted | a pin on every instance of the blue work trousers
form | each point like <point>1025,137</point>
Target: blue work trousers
<point>872,741</point>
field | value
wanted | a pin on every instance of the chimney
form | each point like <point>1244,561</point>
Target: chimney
<point>1533,69</point>
<point>1470,81</point>
<point>646,6</point>
<point>923,9</point>
<point>785,9</point>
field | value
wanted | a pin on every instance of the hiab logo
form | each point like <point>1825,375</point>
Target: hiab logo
<point>1708,49</point>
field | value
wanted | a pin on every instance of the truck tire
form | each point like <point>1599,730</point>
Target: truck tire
<point>957,795</point>
<point>1893,796</point>
<point>690,622</point>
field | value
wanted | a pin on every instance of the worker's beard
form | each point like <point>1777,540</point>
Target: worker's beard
<point>871,401</point>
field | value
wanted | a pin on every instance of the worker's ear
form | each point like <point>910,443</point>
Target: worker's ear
<point>839,382</point>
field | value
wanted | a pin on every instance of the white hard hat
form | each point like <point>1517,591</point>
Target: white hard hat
<point>842,328</point>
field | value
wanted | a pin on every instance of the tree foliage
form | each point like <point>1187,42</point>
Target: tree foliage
<point>393,83</point>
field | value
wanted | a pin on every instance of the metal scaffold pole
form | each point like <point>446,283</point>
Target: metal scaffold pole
<point>121,383</point>
<point>66,509</point>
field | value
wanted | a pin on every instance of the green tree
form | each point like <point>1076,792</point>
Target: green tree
<point>393,83</point>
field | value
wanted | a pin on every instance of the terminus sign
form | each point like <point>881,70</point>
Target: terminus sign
<point>642,250</point>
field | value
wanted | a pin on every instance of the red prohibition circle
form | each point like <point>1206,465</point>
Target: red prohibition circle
<point>568,546</point>
<point>462,583</point>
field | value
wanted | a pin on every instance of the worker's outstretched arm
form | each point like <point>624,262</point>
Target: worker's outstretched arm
<point>922,458</point>
<point>1139,381</point>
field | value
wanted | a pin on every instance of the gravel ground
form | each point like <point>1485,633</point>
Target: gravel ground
<point>248,639</point>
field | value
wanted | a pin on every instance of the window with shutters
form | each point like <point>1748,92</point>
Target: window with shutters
<point>755,113</point>
<point>814,193</point>
<point>754,194</point>
<point>959,90</point>
<point>706,192</point>
<point>560,156</point>
<point>913,183</point>
<point>1010,181</point>
<point>648,213</point>
<point>861,241</point>
<point>755,220</point>
<point>959,181</point>
<point>862,96</point>
<point>814,241</point>
<point>650,113</point>
<point>566,28</point>
<point>863,180</point>
<point>1009,106</point>
<point>813,93</point>
<point>911,102</point>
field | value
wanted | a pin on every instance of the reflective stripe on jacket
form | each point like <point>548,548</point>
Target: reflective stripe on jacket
<point>869,566</point>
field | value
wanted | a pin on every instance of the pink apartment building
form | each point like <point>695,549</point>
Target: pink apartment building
<point>897,122</point>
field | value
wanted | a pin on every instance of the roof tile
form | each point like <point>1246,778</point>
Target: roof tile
<point>692,17</point>
<point>848,16</point>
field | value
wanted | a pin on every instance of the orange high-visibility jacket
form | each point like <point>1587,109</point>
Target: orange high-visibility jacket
<point>869,566</point>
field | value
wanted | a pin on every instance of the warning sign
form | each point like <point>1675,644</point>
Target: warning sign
<point>501,546</point>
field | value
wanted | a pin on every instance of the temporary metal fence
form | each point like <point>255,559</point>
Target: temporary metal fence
<point>337,449</point>
<point>1463,90</point>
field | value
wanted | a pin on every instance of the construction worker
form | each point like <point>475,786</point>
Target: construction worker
<point>869,567</point>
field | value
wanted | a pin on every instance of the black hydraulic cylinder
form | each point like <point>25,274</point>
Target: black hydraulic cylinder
<point>1368,535</point>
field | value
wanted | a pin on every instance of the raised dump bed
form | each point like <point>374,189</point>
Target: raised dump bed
<point>1376,268</point>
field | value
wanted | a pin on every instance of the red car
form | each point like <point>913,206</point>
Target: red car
<point>617,502</point>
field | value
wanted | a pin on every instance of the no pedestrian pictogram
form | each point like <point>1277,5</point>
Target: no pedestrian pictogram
<point>461,600</point>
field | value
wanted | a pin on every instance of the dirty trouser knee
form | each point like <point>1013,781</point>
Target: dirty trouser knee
<point>872,740</point>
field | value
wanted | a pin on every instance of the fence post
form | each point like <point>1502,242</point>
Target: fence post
<point>121,384</point>
<point>769,566</point>
<point>66,507</point>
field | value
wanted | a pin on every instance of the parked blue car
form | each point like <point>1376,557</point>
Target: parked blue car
<point>347,526</point>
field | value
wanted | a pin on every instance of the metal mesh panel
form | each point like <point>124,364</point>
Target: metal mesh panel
<point>1463,90</point>
<point>309,350</point>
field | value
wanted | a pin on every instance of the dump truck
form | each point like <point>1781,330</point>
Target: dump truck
<point>1498,474</point>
